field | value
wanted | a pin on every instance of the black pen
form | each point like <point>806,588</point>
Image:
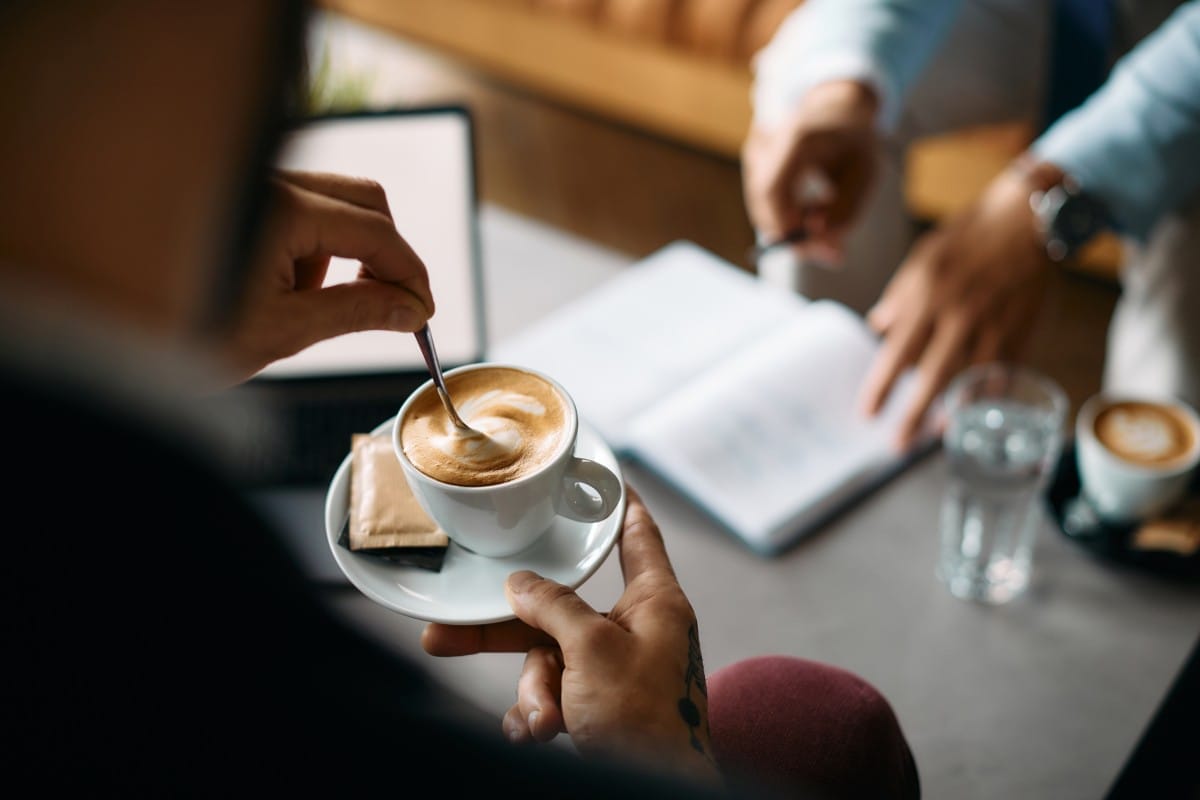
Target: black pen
<point>814,191</point>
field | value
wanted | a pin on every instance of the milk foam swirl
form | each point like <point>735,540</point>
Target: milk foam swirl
<point>521,422</point>
<point>495,415</point>
<point>1145,433</point>
<point>1145,436</point>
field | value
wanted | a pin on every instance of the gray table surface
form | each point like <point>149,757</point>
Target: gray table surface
<point>1042,698</point>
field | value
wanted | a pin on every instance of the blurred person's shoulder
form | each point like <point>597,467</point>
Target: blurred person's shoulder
<point>1137,19</point>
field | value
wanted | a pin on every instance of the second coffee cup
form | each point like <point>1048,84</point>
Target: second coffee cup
<point>1136,455</point>
<point>498,494</point>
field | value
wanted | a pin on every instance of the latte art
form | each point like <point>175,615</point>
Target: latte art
<point>518,418</point>
<point>1145,433</point>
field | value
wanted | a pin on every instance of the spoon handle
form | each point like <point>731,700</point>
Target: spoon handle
<point>425,342</point>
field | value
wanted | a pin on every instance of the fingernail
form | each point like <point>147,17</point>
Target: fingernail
<point>520,581</point>
<point>533,718</point>
<point>866,407</point>
<point>513,733</point>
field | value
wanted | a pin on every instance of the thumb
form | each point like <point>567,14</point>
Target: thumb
<point>549,606</point>
<point>359,305</point>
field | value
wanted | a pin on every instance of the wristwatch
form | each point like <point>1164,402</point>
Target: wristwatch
<point>1066,215</point>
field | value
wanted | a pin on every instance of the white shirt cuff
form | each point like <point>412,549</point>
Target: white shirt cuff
<point>782,81</point>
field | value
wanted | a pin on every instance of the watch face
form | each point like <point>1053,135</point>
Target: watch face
<point>1077,219</point>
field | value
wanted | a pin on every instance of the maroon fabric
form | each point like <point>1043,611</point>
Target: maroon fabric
<point>808,729</point>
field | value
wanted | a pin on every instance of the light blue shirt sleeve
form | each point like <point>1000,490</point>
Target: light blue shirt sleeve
<point>884,43</point>
<point>1135,143</point>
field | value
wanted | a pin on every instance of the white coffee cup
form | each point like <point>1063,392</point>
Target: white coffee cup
<point>502,519</point>
<point>1122,490</point>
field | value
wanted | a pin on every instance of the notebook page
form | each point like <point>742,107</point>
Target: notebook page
<point>666,319</point>
<point>774,440</point>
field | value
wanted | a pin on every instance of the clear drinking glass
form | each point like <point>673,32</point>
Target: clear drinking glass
<point>1003,438</point>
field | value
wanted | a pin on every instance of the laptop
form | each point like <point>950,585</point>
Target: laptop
<point>424,158</point>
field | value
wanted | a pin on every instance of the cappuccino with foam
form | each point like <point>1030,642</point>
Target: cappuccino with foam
<point>500,488</point>
<point>1146,434</point>
<point>1135,455</point>
<point>522,421</point>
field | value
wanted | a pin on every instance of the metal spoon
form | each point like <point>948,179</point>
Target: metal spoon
<point>425,341</point>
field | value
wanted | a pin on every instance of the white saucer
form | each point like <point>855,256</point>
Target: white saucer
<point>469,589</point>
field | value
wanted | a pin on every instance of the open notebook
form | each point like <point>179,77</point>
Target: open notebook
<point>740,394</point>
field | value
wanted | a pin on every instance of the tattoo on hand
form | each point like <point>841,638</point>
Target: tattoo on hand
<point>694,677</point>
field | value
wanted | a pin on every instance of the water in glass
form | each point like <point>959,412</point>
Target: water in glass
<point>1000,453</point>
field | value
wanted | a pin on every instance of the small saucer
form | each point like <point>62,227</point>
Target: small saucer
<point>1075,519</point>
<point>469,588</point>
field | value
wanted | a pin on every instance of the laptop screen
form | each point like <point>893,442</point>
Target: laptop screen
<point>424,160</point>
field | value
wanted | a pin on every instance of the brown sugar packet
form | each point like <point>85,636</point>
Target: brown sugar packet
<point>386,521</point>
<point>1176,532</point>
